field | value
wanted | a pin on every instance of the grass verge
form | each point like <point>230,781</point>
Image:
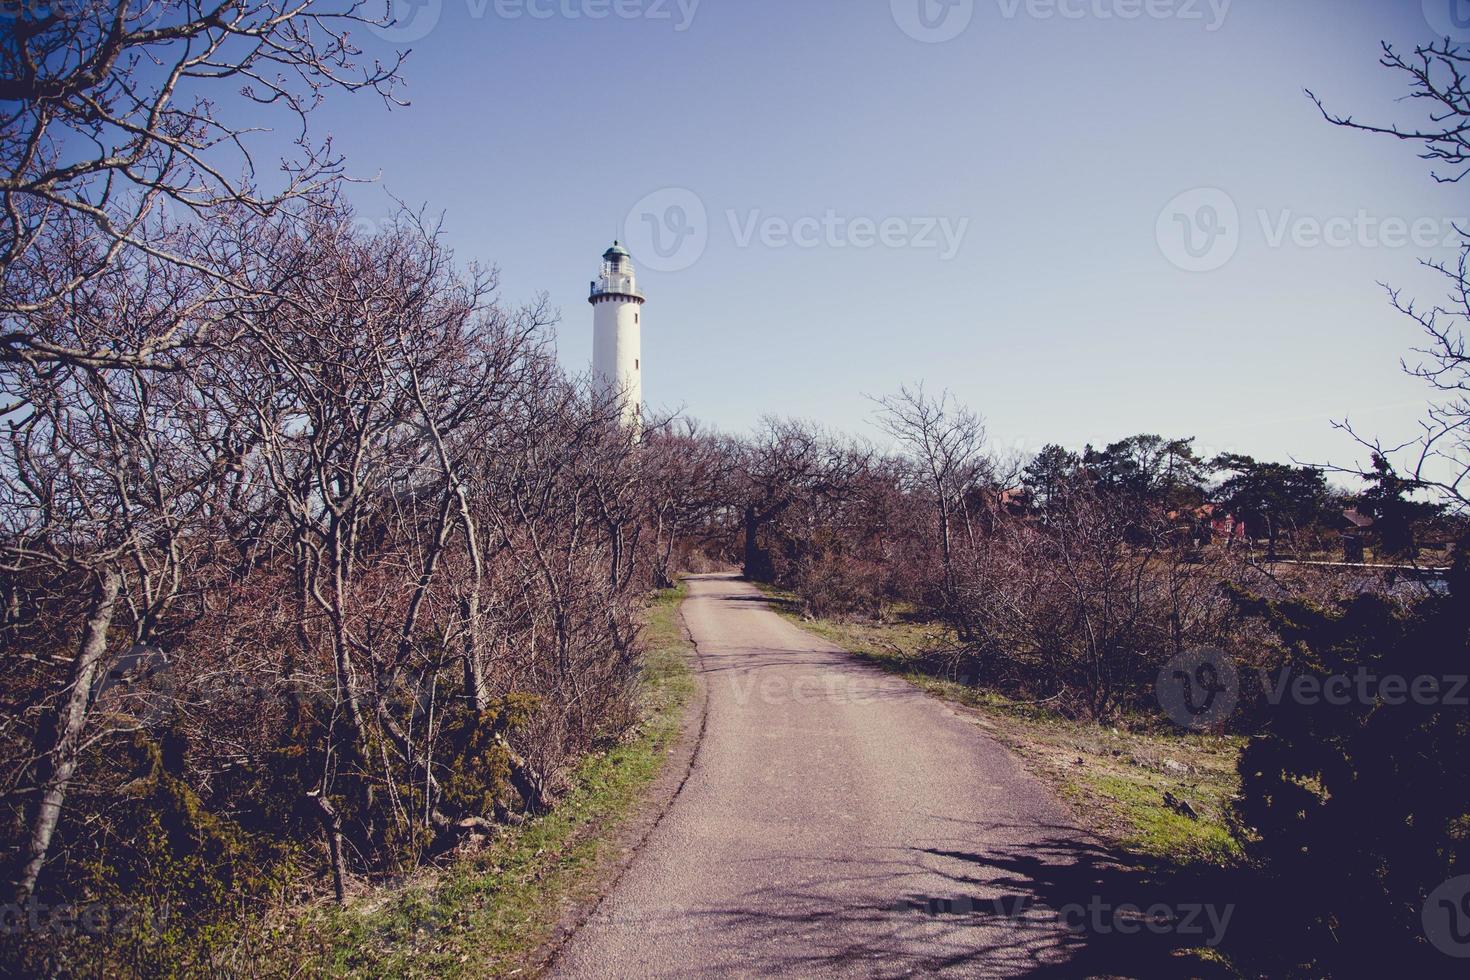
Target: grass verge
<point>494,912</point>
<point>1117,777</point>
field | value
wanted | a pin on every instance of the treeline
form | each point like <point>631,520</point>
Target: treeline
<point>314,562</point>
<point>1068,576</point>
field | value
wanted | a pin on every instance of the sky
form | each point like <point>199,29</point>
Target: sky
<point>1084,218</point>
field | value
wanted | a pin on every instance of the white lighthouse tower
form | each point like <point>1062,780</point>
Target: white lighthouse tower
<point>616,348</point>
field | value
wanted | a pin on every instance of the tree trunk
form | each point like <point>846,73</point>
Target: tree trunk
<point>754,567</point>
<point>474,672</point>
<point>661,555</point>
<point>59,762</point>
<point>946,546</point>
<point>474,663</point>
<point>663,569</point>
<point>332,828</point>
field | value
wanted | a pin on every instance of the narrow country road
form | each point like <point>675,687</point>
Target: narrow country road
<point>830,811</point>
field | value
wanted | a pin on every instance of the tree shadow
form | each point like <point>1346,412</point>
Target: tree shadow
<point>1048,906</point>
<point>779,602</point>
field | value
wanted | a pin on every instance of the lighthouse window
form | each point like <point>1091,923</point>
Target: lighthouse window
<point>635,317</point>
<point>635,364</point>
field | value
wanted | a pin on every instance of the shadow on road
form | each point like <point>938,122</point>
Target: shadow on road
<point>1066,908</point>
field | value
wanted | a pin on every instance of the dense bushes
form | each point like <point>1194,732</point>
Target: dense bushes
<point>318,603</point>
<point>1357,799</point>
<point>831,585</point>
<point>1087,607</point>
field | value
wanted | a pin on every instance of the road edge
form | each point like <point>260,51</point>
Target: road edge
<point>628,841</point>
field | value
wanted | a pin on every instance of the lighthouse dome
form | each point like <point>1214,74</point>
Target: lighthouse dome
<point>617,251</point>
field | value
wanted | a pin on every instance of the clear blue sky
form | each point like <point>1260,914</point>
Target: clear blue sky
<point>1058,139</point>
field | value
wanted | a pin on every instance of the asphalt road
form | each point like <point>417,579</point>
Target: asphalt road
<point>831,813</point>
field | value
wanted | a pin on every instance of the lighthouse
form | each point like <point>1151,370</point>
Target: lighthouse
<point>616,314</point>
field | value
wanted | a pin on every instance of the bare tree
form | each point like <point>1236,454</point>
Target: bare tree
<point>945,444</point>
<point>687,472</point>
<point>116,112</point>
<point>788,462</point>
<point>1438,459</point>
<point>102,491</point>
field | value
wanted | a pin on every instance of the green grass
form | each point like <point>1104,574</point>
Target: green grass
<point>1116,776</point>
<point>490,913</point>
